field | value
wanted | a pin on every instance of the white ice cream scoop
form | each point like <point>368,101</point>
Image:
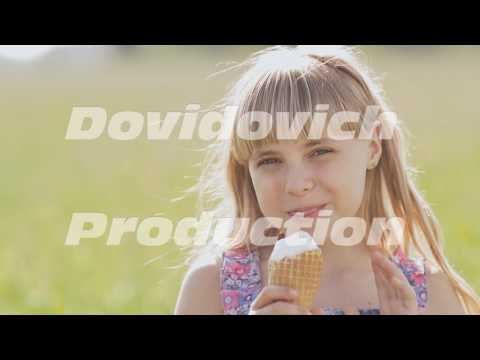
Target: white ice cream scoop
<point>293,245</point>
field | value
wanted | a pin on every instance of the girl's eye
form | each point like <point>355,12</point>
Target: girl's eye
<point>319,152</point>
<point>273,161</point>
<point>267,162</point>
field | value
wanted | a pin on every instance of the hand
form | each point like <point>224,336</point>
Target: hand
<point>277,300</point>
<point>395,294</point>
<point>348,310</point>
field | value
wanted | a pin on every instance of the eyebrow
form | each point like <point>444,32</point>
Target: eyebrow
<point>265,153</point>
<point>308,144</point>
<point>314,143</point>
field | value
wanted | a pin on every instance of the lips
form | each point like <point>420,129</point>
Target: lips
<point>311,211</point>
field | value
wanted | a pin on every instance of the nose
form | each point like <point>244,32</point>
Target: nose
<point>299,182</point>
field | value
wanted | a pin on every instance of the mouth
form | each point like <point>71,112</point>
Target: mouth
<point>311,211</point>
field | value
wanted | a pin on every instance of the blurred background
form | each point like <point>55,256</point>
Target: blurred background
<point>44,178</point>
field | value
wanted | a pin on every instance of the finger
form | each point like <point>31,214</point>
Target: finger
<point>318,311</point>
<point>406,294</point>
<point>389,268</point>
<point>283,308</point>
<point>391,288</point>
<point>390,272</point>
<point>402,304</point>
<point>383,290</point>
<point>397,302</point>
<point>273,293</point>
<point>404,299</point>
<point>383,285</point>
<point>401,286</point>
<point>398,283</point>
<point>351,310</point>
<point>382,263</point>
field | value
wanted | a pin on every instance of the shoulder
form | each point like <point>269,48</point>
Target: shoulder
<point>442,297</point>
<point>200,290</point>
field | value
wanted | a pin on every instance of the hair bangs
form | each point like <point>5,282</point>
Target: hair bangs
<point>290,101</point>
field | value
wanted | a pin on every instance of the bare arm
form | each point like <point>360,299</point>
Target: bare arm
<point>200,291</point>
<point>442,298</point>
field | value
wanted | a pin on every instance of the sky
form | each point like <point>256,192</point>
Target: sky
<point>24,52</point>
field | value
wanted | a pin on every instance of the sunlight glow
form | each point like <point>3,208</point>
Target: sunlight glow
<point>24,52</point>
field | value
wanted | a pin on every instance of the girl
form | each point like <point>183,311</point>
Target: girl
<point>254,177</point>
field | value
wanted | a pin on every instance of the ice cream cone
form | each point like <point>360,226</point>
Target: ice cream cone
<point>300,272</point>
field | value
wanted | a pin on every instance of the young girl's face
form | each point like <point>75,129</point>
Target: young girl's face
<point>293,175</point>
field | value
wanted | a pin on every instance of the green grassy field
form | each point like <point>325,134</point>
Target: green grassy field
<point>44,178</point>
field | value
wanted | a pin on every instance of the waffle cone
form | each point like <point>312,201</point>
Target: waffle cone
<point>301,272</point>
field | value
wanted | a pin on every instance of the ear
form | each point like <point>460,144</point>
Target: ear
<point>375,146</point>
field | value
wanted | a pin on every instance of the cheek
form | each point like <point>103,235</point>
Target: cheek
<point>267,190</point>
<point>344,179</point>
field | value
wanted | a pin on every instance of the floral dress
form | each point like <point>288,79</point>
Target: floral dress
<point>241,281</point>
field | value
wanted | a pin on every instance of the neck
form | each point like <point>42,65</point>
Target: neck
<point>345,259</point>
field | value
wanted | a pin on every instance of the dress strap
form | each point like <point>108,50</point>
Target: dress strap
<point>240,279</point>
<point>414,271</point>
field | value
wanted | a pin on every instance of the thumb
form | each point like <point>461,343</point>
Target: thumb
<point>350,310</point>
<point>317,311</point>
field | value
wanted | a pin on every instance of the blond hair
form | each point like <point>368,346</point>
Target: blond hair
<point>293,80</point>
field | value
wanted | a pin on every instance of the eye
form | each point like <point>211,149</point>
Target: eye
<point>318,152</point>
<point>269,161</point>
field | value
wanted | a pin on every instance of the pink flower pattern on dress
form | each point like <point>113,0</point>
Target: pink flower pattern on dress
<point>414,271</point>
<point>241,281</point>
